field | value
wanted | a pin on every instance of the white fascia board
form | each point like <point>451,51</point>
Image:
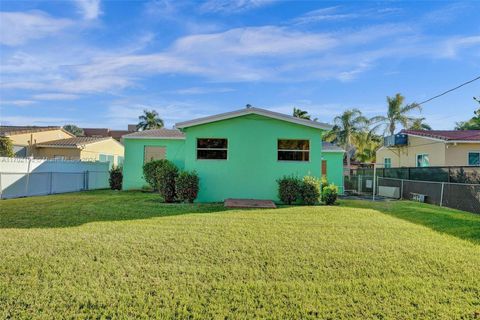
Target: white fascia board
<point>246,111</point>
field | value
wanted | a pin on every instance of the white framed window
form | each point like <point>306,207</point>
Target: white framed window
<point>293,150</point>
<point>387,162</point>
<point>212,149</point>
<point>474,158</point>
<point>423,160</point>
<point>57,157</point>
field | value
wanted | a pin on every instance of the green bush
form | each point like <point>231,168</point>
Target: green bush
<point>160,175</point>
<point>329,194</point>
<point>186,186</point>
<point>116,177</point>
<point>6,147</point>
<point>310,190</point>
<point>289,188</point>
<point>150,173</point>
<point>166,175</point>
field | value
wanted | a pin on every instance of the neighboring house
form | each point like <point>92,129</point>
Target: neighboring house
<point>24,138</point>
<point>238,154</point>
<point>105,132</point>
<point>416,148</point>
<point>82,148</point>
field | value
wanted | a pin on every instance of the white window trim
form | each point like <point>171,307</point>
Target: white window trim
<point>416,159</point>
<point>293,150</point>
<point>468,158</point>
<point>215,149</point>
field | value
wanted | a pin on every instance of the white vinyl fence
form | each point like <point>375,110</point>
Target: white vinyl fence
<point>23,177</point>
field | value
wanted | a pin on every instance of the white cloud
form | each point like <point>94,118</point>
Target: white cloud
<point>19,103</point>
<point>201,90</point>
<point>19,27</point>
<point>90,9</point>
<point>34,121</point>
<point>55,96</point>
<point>324,14</point>
<point>453,46</point>
<point>232,6</point>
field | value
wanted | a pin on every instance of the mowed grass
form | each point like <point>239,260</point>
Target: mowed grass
<point>126,255</point>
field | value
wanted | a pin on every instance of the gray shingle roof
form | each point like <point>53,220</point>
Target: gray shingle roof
<point>327,146</point>
<point>156,133</point>
<point>72,142</point>
<point>9,130</point>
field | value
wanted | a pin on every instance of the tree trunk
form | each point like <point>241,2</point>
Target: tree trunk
<point>348,162</point>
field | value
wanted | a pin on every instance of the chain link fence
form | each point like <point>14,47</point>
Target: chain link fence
<point>453,195</point>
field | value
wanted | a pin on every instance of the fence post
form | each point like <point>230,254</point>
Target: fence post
<point>441,195</point>
<point>87,176</point>
<point>50,189</point>
<point>28,176</point>
<point>401,190</point>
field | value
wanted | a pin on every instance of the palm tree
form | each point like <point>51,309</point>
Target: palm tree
<point>366,146</point>
<point>149,120</point>
<point>298,113</point>
<point>397,114</point>
<point>418,124</point>
<point>346,126</point>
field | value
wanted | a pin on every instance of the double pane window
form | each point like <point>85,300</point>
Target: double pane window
<point>212,149</point>
<point>293,150</point>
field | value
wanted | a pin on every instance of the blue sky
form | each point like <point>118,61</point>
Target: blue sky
<point>100,63</point>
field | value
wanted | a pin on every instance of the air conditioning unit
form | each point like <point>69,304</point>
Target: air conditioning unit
<point>396,140</point>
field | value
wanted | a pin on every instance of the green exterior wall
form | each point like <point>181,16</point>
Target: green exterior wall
<point>134,155</point>
<point>252,168</point>
<point>334,168</point>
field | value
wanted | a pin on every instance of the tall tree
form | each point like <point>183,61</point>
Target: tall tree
<point>346,126</point>
<point>473,123</point>
<point>149,120</point>
<point>419,124</point>
<point>302,114</point>
<point>73,129</point>
<point>397,113</point>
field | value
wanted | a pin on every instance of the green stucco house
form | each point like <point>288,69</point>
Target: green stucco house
<point>238,154</point>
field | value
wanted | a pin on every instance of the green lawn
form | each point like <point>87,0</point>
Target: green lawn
<point>123,255</point>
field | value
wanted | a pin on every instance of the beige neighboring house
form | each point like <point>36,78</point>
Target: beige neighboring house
<point>56,143</point>
<point>416,148</point>
<point>24,138</point>
<point>82,148</point>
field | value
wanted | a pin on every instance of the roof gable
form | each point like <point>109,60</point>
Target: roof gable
<point>257,111</point>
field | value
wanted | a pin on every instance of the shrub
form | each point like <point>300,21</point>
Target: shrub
<point>323,184</point>
<point>186,186</point>
<point>166,174</point>
<point>289,188</point>
<point>116,178</point>
<point>329,194</point>
<point>6,147</point>
<point>150,173</point>
<point>310,190</point>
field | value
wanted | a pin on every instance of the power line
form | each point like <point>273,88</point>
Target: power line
<point>450,90</point>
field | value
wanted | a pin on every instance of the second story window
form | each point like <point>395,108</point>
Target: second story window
<point>293,150</point>
<point>212,149</point>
